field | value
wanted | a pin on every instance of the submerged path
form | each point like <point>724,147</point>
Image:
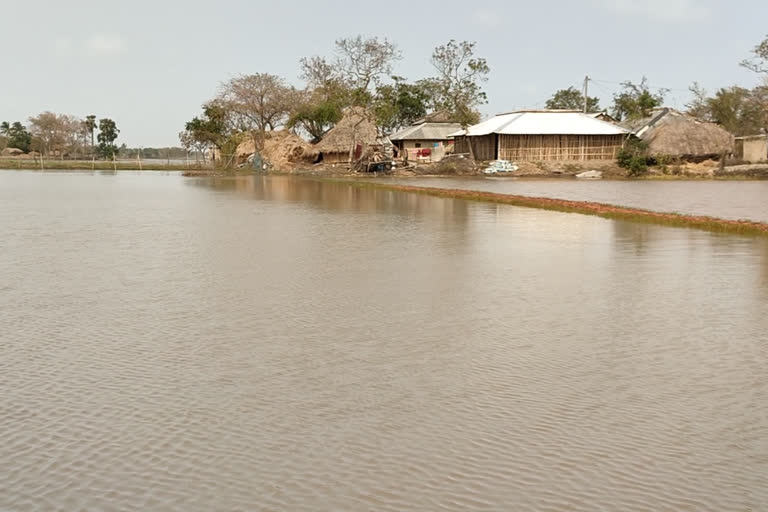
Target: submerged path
<point>609,211</point>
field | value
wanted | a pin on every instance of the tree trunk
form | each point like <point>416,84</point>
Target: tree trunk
<point>471,149</point>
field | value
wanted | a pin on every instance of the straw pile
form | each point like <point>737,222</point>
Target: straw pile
<point>282,149</point>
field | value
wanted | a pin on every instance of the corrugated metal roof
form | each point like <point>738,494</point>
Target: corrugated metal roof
<point>427,131</point>
<point>544,123</point>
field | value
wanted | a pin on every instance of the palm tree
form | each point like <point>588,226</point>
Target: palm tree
<point>90,125</point>
<point>5,128</point>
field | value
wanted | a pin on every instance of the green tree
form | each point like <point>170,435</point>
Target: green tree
<point>315,116</point>
<point>211,130</point>
<point>16,135</point>
<point>399,104</point>
<point>738,110</point>
<point>108,133</point>
<point>457,88</point>
<point>636,101</point>
<point>572,99</point>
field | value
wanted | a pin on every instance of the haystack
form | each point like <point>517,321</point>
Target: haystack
<point>12,152</point>
<point>671,133</point>
<point>282,149</point>
<point>355,128</point>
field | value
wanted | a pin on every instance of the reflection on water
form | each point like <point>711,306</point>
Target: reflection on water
<point>283,344</point>
<point>724,199</point>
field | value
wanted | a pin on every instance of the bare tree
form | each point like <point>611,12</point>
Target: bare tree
<point>457,88</point>
<point>261,102</point>
<point>700,105</point>
<point>759,61</point>
<point>59,134</point>
<point>362,63</point>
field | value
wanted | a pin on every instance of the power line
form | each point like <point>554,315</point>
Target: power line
<point>651,86</point>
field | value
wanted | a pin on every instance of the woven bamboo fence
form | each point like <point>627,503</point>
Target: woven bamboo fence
<point>559,147</point>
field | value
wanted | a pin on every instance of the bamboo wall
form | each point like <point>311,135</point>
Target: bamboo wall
<point>484,146</point>
<point>559,147</point>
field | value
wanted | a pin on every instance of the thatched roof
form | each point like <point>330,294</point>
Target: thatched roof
<point>12,152</point>
<point>669,132</point>
<point>356,127</point>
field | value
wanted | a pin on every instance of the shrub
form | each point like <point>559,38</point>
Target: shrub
<point>634,157</point>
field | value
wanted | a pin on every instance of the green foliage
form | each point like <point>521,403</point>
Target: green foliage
<point>634,157</point>
<point>740,111</point>
<point>572,99</point>
<point>636,101</point>
<point>316,118</point>
<point>209,130</point>
<point>108,133</point>
<point>399,104</point>
<point>16,136</point>
<point>90,126</point>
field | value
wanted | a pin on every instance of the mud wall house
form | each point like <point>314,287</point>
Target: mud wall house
<point>355,130</point>
<point>433,133</point>
<point>670,133</point>
<point>541,135</point>
<point>752,149</point>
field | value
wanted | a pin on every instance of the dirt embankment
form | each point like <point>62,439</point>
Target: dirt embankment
<point>744,227</point>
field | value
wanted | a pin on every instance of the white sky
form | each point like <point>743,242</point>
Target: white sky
<point>149,65</point>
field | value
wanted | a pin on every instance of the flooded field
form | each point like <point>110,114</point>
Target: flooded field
<point>724,199</point>
<point>257,343</point>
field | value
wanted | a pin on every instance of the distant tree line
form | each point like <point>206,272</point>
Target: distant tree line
<point>360,74</point>
<point>172,153</point>
<point>61,135</point>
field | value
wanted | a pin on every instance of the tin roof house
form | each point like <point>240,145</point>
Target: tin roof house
<point>429,137</point>
<point>541,135</point>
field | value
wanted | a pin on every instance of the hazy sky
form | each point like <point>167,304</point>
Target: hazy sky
<point>149,65</point>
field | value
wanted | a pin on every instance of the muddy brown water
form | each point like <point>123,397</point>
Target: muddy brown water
<point>171,343</point>
<point>725,199</point>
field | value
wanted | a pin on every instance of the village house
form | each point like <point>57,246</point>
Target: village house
<point>353,133</point>
<point>752,149</point>
<point>540,135</point>
<point>670,133</point>
<point>428,138</point>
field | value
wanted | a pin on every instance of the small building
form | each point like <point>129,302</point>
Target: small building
<point>752,149</point>
<point>352,134</point>
<point>539,135</point>
<point>428,138</point>
<point>604,116</point>
<point>670,133</point>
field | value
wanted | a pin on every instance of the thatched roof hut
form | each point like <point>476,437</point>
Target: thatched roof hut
<point>355,128</point>
<point>672,133</point>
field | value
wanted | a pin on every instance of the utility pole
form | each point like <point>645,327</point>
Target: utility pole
<point>586,92</point>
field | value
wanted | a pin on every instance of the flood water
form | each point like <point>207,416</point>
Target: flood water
<point>171,343</point>
<point>725,199</point>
